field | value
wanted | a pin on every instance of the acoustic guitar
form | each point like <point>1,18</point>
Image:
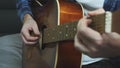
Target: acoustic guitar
<point>57,21</point>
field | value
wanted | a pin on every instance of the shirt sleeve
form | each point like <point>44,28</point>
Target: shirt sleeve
<point>111,5</point>
<point>23,8</point>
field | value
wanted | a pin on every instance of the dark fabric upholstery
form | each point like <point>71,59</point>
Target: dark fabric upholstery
<point>8,4</point>
<point>9,20</point>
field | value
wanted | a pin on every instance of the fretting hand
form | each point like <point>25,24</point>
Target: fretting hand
<point>93,43</point>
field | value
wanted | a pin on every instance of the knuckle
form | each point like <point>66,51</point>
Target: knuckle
<point>98,42</point>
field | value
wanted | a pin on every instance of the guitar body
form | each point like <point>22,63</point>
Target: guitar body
<point>48,14</point>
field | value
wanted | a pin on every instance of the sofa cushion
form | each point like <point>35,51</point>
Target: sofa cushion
<point>9,21</point>
<point>7,4</point>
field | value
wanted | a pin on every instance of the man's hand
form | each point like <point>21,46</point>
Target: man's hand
<point>94,44</point>
<point>30,26</point>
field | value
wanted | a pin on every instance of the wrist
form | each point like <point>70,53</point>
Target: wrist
<point>27,17</point>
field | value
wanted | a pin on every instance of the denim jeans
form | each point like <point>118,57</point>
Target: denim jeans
<point>11,51</point>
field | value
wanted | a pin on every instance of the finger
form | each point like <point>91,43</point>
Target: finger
<point>36,30</point>
<point>90,38</point>
<point>28,42</point>
<point>27,36</point>
<point>84,22</point>
<point>96,12</point>
<point>90,34</point>
<point>79,46</point>
<point>114,35</point>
